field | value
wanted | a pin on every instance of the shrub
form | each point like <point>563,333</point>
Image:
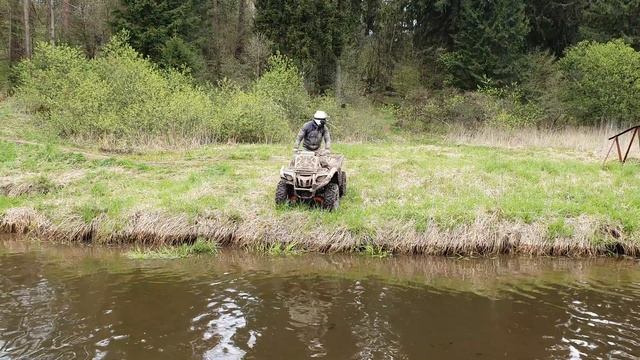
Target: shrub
<point>250,117</point>
<point>503,107</point>
<point>443,108</point>
<point>118,95</point>
<point>283,84</point>
<point>602,82</point>
<point>354,122</point>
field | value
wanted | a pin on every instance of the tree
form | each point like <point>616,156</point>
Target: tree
<point>554,24</point>
<point>151,23</point>
<point>604,20</point>
<point>602,82</point>
<point>489,43</point>
<point>313,32</point>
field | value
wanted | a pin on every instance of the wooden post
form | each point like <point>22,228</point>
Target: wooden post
<point>633,136</point>
<point>608,152</point>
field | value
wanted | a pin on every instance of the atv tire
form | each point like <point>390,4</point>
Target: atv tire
<point>331,196</point>
<point>343,183</point>
<point>282,192</point>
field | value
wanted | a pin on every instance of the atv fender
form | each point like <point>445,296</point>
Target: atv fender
<point>331,175</point>
<point>287,175</point>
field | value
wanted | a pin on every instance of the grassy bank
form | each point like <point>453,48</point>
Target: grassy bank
<point>423,196</point>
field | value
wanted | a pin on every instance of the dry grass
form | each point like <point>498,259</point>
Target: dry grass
<point>590,140</point>
<point>486,236</point>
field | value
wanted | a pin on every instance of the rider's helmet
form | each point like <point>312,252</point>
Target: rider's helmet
<point>320,117</point>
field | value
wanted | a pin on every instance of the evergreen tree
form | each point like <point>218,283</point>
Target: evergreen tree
<point>153,23</point>
<point>604,20</point>
<point>490,42</point>
<point>554,24</point>
<point>313,32</point>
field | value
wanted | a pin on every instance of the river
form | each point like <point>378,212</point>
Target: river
<point>73,302</point>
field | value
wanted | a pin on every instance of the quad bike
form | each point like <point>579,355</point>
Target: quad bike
<point>306,179</point>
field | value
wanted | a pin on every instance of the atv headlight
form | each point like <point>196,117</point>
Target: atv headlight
<point>288,177</point>
<point>321,177</point>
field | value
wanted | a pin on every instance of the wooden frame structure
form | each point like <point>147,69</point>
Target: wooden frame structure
<point>615,141</point>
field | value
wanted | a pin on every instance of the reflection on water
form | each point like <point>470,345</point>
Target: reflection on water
<point>68,303</point>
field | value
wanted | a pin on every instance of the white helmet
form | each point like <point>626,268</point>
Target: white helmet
<point>320,115</point>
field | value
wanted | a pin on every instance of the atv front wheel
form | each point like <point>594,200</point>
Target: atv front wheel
<point>282,192</point>
<point>331,196</point>
<point>343,183</point>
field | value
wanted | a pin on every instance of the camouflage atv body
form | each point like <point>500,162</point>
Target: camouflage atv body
<point>313,177</point>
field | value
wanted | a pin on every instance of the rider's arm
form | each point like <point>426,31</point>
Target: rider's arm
<point>327,139</point>
<point>299,138</point>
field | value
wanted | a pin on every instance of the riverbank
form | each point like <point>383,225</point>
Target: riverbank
<point>419,196</point>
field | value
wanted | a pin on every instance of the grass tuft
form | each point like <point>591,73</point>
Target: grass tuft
<point>200,247</point>
<point>375,251</point>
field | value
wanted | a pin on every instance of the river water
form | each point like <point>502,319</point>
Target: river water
<point>87,303</point>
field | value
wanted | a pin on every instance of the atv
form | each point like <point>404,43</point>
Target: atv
<point>307,180</point>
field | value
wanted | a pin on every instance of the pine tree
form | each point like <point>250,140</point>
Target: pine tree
<point>152,23</point>
<point>312,32</point>
<point>490,42</point>
<point>604,20</point>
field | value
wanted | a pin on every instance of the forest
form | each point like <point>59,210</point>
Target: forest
<point>173,68</point>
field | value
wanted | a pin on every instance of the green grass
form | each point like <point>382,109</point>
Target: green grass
<point>418,182</point>
<point>279,249</point>
<point>200,247</point>
<point>375,251</point>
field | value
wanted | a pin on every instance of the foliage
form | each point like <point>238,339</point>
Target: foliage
<point>606,20</point>
<point>489,42</point>
<point>503,107</point>
<point>249,117</point>
<point>358,121</point>
<point>283,84</point>
<point>375,251</point>
<point>153,23</point>
<point>180,55</point>
<point>118,94</point>
<point>312,32</point>
<point>200,247</point>
<point>280,249</point>
<point>445,107</point>
<point>602,82</point>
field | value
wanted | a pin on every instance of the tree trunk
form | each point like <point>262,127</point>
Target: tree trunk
<point>65,18</point>
<point>52,23</point>
<point>242,6</point>
<point>26,4</point>
<point>15,45</point>
<point>10,32</point>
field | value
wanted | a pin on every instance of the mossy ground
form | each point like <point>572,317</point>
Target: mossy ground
<point>421,184</point>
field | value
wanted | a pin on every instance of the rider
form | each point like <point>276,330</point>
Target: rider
<point>313,132</point>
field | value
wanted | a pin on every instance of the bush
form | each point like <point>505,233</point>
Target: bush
<point>283,84</point>
<point>602,82</point>
<point>354,122</point>
<point>118,95</point>
<point>250,117</point>
<point>445,107</point>
<point>503,107</point>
